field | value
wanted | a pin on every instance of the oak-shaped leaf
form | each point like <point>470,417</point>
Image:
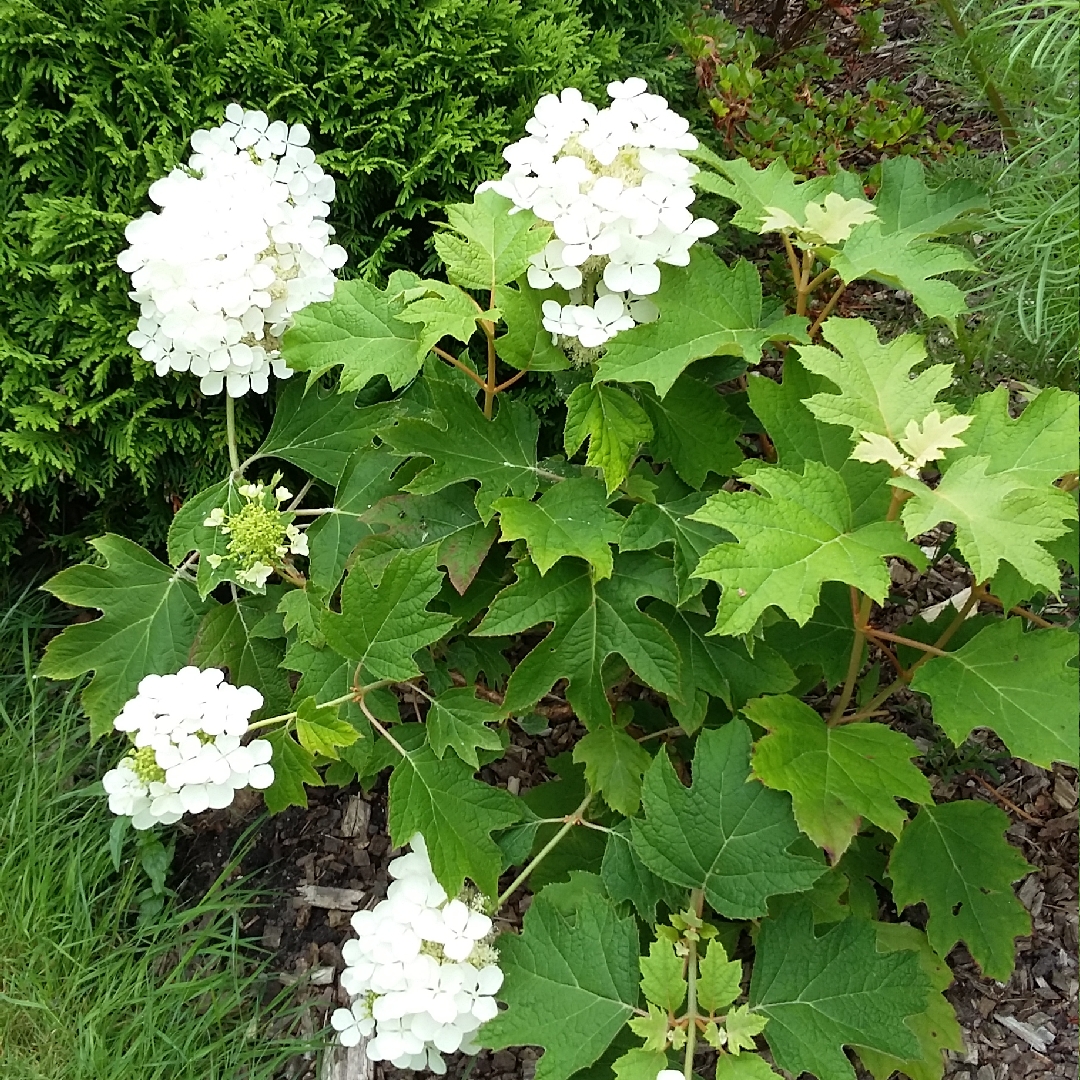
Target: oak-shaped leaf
<point>718,978</point>
<point>499,453</point>
<point>380,628</point>
<point>1019,684</point>
<point>614,765</point>
<point>638,1064</point>
<point>456,815</point>
<point>877,392</point>
<point>149,616</point>
<point>614,424</point>
<point>799,436</point>
<point>301,610</point>
<point>652,524</point>
<point>998,518</point>
<point>485,245</point>
<point>935,1027</point>
<point>229,637</point>
<point>593,620</point>
<point>707,309</point>
<point>314,431</point>
<point>294,772</point>
<point>792,542</point>
<point>442,310</point>
<point>458,719</point>
<point>626,877</point>
<point>367,478</point>
<point>320,730</point>
<point>1036,448</point>
<point>955,859</point>
<point>695,430</point>
<point>821,994</point>
<point>825,641</point>
<point>717,666</point>
<point>189,533</point>
<point>358,330</point>
<point>836,775</point>
<point>570,518</point>
<point>726,834</point>
<point>744,1067</point>
<point>905,204</point>
<point>526,345</point>
<point>663,975</point>
<point>905,261</point>
<point>571,984</point>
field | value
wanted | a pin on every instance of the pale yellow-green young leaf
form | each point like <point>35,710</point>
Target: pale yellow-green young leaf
<point>875,447</point>
<point>826,223</point>
<point>652,1028</point>
<point>742,1025</point>
<point>929,441</point>
<point>662,980</point>
<point>718,980</point>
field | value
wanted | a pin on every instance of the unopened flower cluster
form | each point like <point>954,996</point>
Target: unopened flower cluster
<point>616,187</point>
<point>188,756</point>
<point>239,246</point>
<point>260,535</point>
<point>422,972</point>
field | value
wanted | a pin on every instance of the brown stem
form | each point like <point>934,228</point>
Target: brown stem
<point>793,260</point>
<point>854,662</point>
<point>827,310</point>
<point>869,631</point>
<point>825,274</point>
<point>510,382</point>
<point>1038,620</point>
<point>1006,802</point>
<point>490,386</point>
<point>450,359</point>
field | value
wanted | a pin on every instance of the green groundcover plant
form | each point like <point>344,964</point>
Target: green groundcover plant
<point>698,577</point>
<point>410,105</point>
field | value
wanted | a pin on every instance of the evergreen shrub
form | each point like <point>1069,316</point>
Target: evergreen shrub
<point>98,98</point>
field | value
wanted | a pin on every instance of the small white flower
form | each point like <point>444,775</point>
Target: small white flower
<point>215,518</point>
<point>298,539</point>
<point>282,494</point>
<point>352,1024</point>
<point>548,268</point>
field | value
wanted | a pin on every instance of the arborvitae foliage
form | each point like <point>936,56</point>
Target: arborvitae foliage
<point>409,105</point>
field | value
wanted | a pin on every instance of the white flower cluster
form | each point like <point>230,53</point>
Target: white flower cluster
<point>240,245</point>
<point>614,184</point>
<point>422,972</point>
<point>188,756</point>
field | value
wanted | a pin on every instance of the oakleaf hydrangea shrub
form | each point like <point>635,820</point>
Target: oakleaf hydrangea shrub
<point>698,578</point>
<point>408,106</point>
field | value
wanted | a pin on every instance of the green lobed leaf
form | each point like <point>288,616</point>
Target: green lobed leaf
<point>570,518</point>
<point>228,638</point>
<point>821,994</point>
<point>877,392</point>
<point>150,615</point>
<point>615,425</point>
<point>717,666</point>
<point>836,775</point>
<point>593,620</point>
<point>1036,448</point>
<point>571,984</point>
<point>1019,684</point>
<point>187,533</point>
<point>319,730</point>
<point>741,1026</point>
<point>955,859</point>
<point>695,430</point>
<point>825,641</point>
<point>315,432</point>
<point>614,765</point>
<point>302,610</point>
<point>294,766</point>
<point>458,719</point>
<point>904,261</point>
<point>904,203</point>
<point>367,478</point>
<point>707,309</point>
<point>935,1027</point>
<point>456,815</point>
<point>627,878</point>
<point>526,345</point>
<point>743,1067</point>
<point>718,979</point>
<point>380,628</point>
<point>499,453</point>
<point>792,542</point>
<point>663,981</point>
<point>997,517</point>
<point>485,245</point>
<point>726,834</point>
<point>639,1064</point>
<point>443,311</point>
<point>359,330</point>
